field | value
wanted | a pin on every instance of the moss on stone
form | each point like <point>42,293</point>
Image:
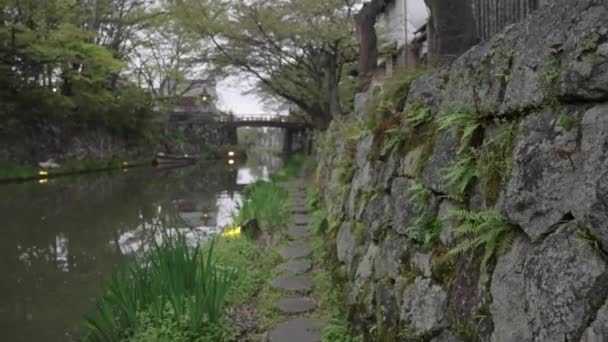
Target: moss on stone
<point>358,228</point>
<point>443,268</point>
<point>567,121</point>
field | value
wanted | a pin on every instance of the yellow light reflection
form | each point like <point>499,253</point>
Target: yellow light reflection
<point>125,163</point>
<point>231,161</point>
<point>232,233</point>
<point>230,154</point>
<point>43,180</point>
<point>43,173</point>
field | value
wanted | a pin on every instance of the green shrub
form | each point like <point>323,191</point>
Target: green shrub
<point>172,277</point>
<point>267,203</point>
<point>485,229</point>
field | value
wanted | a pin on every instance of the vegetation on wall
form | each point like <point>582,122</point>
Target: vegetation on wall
<point>487,230</point>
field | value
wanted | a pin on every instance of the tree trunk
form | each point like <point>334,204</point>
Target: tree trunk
<point>365,22</point>
<point>332,80</point>
<point>451,29</point>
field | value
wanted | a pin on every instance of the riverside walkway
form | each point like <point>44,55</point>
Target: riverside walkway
<point>295,280</point>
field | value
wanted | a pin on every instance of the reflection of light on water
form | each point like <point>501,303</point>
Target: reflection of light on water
<point>247,175</point>
<point>61,252</point>
<point>226,208</point>
<point>43,180</point>
<point>244,176</point>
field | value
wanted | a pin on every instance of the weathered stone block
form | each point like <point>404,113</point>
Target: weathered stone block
<point>389,262</point>
<point>404,210</point>
<point>565,284</point>
<point>424,307</point>
<point>508,293</point>
<point>444,154</point>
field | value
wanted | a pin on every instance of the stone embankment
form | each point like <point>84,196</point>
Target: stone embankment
<point>512,137</point>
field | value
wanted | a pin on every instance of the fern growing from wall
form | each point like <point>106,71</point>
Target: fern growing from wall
<point>463,122</point>
<point>462,172</point>
<point>487,230</point>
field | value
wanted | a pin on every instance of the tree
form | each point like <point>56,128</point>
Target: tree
<point>296,49</point>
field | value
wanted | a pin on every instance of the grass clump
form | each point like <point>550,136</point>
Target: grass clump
<point>567,121</point>
<point>331,310</point>
<point>174,287</point>
<point>267,203</point>
<point>487,230</point>
<point>291,170</point>
<point>389,99</point>
<point>13,171</point>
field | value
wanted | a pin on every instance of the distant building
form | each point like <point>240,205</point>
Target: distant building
<point>396,27</point>
<point>404,35</point>
<point>199,97</point>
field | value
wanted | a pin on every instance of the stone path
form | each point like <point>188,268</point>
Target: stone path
<point>295,281</point>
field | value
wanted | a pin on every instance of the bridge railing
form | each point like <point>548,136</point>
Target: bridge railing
<point>206,117</point>
<point>261,118</point>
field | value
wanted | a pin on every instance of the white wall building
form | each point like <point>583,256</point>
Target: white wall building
<point>395,27</point>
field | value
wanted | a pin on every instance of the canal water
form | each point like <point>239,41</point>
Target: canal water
<point>61,239</point>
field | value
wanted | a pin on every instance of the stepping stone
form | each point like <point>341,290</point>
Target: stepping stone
<point>295,250</point>
<point>300,220</point>
<point>299,209</point>
<point>300,284</point>
<point>295,305</point>
<point>298,232</point>
<point>297,330</point>
<point>295,266</point>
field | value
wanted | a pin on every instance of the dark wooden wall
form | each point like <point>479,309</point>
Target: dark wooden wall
<point>493,15</point>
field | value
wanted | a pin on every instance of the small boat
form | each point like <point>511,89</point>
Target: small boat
<point>163,159</point>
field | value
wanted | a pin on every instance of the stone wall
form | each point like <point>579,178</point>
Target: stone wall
<point>35,144</point>
<point>520,124</point>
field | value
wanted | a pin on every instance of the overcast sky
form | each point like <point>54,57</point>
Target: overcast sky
<point>231,92</point>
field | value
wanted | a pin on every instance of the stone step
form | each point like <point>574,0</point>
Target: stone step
<point>295,305</point>
<point>295,266</point>
<point>300,220</point>
<point>295,250</point>
<point>299,209</point>
<point>299,284</point>
<point>298,232</point>
<point>297,330</point>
